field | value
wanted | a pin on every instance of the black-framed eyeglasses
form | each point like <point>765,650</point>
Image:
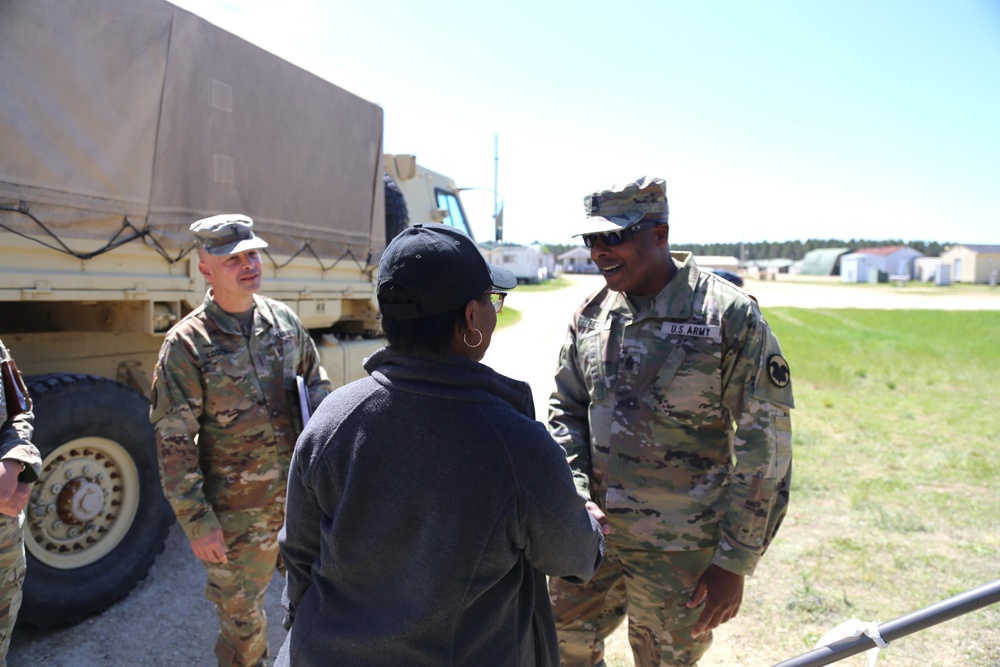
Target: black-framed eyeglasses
<point>496,298</point>
<point>619,236</point>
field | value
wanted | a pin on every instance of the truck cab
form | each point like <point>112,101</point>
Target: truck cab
<point>430,196</point>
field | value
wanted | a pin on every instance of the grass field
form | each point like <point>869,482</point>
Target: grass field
<point>895,495</point>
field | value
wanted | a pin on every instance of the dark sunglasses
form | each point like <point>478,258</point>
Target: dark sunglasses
<point>612,239</point>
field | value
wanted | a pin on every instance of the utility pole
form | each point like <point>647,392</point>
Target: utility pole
<point>496,197</point>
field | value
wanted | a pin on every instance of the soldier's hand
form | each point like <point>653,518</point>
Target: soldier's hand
<point>722,593</point>
<point>602,519</point>
<point>210,548</point>
<point>12,504</point>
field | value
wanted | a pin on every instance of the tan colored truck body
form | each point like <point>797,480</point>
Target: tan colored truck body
<point>122,122</point>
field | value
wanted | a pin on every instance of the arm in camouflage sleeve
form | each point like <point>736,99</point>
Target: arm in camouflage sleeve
<point>311,370</point>
<point>15,445</point>
<point>758,489</point>
<point>176,403</point>
<point>20,460</point>
<point>15,436</point>
<point>568,408</point>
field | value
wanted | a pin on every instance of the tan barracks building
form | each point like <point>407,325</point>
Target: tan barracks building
<point>973,263</point>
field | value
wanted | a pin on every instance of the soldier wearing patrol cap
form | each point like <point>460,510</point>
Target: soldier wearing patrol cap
<point>672,401</point>
<point>227,374</point>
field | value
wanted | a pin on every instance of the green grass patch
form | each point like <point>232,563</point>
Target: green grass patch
<point>895,491</point>
<point>559,282</point>
<point>810,600</point>
<point>507,317</point>
<point>896,460</point>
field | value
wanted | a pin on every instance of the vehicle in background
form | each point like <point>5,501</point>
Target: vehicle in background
<point>430,196</point>
<point>123,121</point>
<point>433,197</point>
<point>732,277</point>
<point>526,262</point>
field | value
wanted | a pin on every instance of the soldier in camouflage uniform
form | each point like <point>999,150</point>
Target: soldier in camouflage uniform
<point>227,374</point>
<point>672,401</point>
<point>20,465</point>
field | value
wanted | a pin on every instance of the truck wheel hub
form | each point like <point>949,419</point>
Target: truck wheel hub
<point>80,501</point>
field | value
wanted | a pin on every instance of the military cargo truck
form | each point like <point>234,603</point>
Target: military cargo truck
<point>122,121</point>
<point>430,196</point>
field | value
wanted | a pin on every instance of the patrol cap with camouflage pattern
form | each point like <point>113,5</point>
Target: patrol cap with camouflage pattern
<point>226,234</point>
<point>624,204</point>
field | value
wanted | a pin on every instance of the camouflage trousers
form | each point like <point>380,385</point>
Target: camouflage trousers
<point>652,588</point>
<point>11,578</point>
<point>238,587</point>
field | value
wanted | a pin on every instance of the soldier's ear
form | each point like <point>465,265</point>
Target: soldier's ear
<point>662,234</point>
<point>205,271</point>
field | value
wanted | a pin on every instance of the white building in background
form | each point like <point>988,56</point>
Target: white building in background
<point>528,263</point>
<point>769,268</point>
<point>863,266</point>
<point>577,260</point>
<point>925,269</point>
<point>727,262</point>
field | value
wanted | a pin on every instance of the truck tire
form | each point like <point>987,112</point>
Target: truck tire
<point>97,517</point>
<point>397,218</point>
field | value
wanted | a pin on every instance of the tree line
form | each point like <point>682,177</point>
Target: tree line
<point>793,250</point>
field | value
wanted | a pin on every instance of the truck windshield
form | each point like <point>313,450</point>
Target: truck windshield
<point>456,216</point>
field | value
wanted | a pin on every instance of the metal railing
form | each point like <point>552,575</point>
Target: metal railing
<point>889,631</point>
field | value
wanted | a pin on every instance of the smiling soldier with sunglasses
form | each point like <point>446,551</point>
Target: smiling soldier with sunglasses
<point>672,401</point>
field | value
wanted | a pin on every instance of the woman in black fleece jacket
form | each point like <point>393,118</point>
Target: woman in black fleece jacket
<point>425,503</point>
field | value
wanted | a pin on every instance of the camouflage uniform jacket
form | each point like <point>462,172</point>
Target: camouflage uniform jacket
<point>675,419</point>
<point>239,397</point>
<point>15,445</point>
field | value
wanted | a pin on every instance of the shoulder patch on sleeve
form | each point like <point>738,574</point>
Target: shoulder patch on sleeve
<point>161,403</point>
<point>773,381</point>
<point>157,408</point>
<point>777,370</point>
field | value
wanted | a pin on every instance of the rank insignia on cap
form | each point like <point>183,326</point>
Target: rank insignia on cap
<point>777,370</point>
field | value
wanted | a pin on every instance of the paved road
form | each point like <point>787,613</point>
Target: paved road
<point>529,350</point>
<point>166,620</point>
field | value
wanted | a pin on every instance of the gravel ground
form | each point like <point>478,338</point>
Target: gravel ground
<point>164,621</point>
<point>167,621</point>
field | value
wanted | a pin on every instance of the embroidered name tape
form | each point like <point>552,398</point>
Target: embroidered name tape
<point>713,333</point>
<point>593,324</point>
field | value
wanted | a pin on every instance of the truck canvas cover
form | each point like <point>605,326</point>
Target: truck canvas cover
<point>132,118</point>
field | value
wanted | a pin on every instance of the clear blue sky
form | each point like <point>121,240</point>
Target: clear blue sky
<point>771,120</point>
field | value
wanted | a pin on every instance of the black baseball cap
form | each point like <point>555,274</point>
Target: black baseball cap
<point>440,267</point>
